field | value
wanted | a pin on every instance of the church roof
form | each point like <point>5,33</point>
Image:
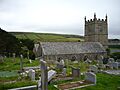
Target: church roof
<point>60,48</point>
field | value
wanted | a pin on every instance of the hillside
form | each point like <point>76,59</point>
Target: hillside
<point>8,43</point>
<point>47,37</point>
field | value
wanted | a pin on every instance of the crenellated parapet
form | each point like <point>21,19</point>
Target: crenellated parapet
<point>95,19</point>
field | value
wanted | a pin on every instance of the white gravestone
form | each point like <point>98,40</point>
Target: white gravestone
<point>51,74</point>
<point>32,74</point>
<point>21,63</point>
<point>89,76</point>
<point>62,62</point>
<point>64,71</point>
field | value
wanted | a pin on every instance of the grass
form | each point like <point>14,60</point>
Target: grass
<point>7,86</point>
<point>44,37</point>
<point>104,82</point>
<point>9,64</point>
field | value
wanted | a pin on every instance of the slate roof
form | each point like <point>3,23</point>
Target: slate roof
<point>60,48</point>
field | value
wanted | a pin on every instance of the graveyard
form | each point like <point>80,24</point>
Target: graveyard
<point>64,75</point>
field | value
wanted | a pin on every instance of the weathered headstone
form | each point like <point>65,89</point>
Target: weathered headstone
<point>89,76</point>
<point>59,66</point>
<point>115,65</point>
<point>30,60</point>
<point>32,74</point>
<point>1,59</point>
<point>21,62</point>
<point>75,72</point>
<point>44,76</point>
<point>88,61</point>
<point>51,74</point>
<point>111,60</point>
<point>62,62</point>
<point>64,71</point>
<point>94,68</point>
<point>14,57</point>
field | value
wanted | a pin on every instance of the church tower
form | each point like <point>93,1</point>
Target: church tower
<point>96,30</point>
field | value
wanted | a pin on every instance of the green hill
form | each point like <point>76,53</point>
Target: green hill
<point>48,37</point>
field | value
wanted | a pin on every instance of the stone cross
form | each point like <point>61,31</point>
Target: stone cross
<point>44,75</point>
<point>21,63</point>
<point>89,76</point>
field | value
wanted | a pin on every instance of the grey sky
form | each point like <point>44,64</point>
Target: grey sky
<point>57,16</point>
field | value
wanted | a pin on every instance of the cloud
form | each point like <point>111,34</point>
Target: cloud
<point>59,16</point>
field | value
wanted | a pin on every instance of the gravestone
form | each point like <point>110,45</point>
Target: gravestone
<point>30,60</point>
<point>111,60</point>
<point>118,60</point>
<point>89,76</point>
<point>44,75</point>
<point>32,74</point>
<point>21,62</point>
<point>64,71</point>
<point>93,68</point>
<point>75,72</point>
<point>1,59</point>
<point>115,65</point>
<point>88,61</point>
<point>51,74</point>
<point>13,57</point>
<point>105,61</point>
<point>62,62</point>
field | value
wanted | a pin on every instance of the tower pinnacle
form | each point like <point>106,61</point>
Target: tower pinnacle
<point>94,15</point>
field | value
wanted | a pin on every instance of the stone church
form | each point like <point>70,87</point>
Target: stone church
<point>96,40</point>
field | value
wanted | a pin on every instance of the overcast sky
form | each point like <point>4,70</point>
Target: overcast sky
<point>57,16</point>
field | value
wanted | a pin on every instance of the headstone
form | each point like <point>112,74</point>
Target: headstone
<point>75,72</point>
<point>1,59</point>
<point>64,71</point>
<point>21,63</point>
<point>32,74</point>
<point>118,60</point>
<point>94,68</point>
<point>105,61</point>
<point>75,61</point>
<point>111,60</point>
<point>88,61</point>
<point>30,60</point>
<point>115,65</point>
<point>59,66</point>
<point>51,74</point>
<point>89,76</point>
<point>44,75</point>
<point>62,62</point>
<point>14,57</point>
